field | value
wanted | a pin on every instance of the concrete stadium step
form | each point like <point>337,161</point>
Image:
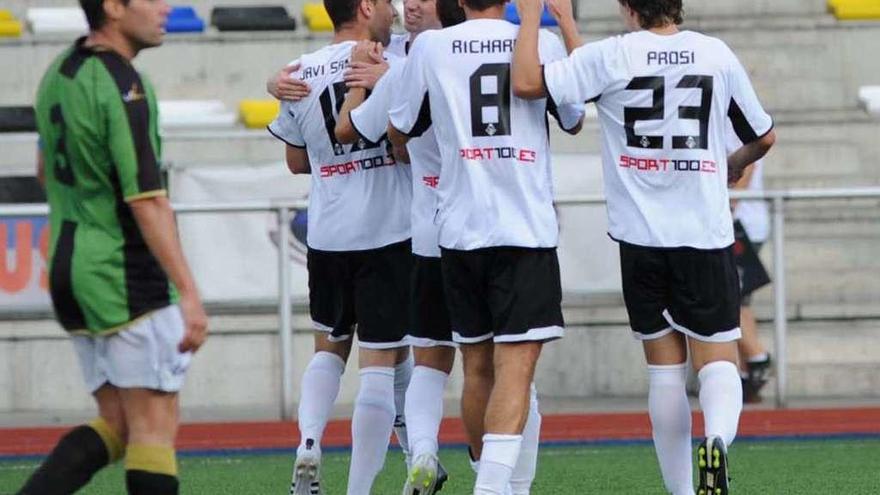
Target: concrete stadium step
<point>814,64</point>
<point>598,359</point>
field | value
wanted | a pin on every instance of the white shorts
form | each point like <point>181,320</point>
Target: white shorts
<point>144,355</point>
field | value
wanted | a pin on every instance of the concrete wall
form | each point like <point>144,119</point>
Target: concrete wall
<point>236,376</point>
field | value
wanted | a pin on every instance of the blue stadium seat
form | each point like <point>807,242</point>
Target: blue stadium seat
<point>513,16</point>
<point>184,20</point>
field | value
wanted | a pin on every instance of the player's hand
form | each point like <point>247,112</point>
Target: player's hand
<point>734,175</point>
<point>196,322</point>
<point>530,11</point>
<point>401,154</point>
<point>284,87</point>
<point>364,51</point>
<point>365,75</point>
<point>561,10</point>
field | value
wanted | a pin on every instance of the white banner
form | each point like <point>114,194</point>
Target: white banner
<point>234,256</point>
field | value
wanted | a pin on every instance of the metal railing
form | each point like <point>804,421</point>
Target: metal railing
<point>283,209</point>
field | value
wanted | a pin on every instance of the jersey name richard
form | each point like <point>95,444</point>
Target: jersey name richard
<point>483,46</point>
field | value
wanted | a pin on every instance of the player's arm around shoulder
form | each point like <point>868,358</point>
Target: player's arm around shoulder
<point>155,219</point>
<point>526,77</point>
<point>367,67</point>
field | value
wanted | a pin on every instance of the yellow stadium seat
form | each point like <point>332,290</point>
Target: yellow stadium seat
<point>257,114</point>
<point>316,17</point>
<point>851,10</point>
<point>10,28</point>
<point>6,15</point>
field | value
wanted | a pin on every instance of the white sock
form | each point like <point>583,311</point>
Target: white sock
<point>670,414</point>
<point>500,453</point>
<point>424,409</point>
<point>402,377</point>
<point>320,386</point>
<point>371,427</point>
<point>527,463</point>
<point>721,399</point>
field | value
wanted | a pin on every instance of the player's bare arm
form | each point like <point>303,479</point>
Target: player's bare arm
<point>297,160</point>
<point>748,154</point>
<point>367,66</point>
<point>562,11</point>
<point>156,222</point>
<point>743,183</point>
<point>398,143</point>
<point>284,87</point>
<point>528,83</point>
<point>366,55</point>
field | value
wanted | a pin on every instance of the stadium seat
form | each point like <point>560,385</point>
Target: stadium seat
<point>513,16</point>
<point>869,96</point>
<point>257,114</point>
<point>855,10</point>
<point>57,20</point>
<point>201,114</point>
<point>184,20</point>
<point>316,17</point>
<point>252,19</point>
<point>17,119</point>
<point>10,27</point>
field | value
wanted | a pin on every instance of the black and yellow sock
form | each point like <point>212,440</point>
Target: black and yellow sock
<point>151,470</point>
<point>76,458</point>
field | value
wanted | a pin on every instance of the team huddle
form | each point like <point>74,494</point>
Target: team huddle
<point>432,230</point>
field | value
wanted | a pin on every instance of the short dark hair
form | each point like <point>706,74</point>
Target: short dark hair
<point>94,10</point>
<point>342,11</point>
<point>450,13</point>
<point>656,13</point>
<point>481,5</point>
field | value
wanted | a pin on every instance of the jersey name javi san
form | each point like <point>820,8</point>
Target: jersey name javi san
<point>360,196</point>
<point>664,104</point>
<point>496,186</point>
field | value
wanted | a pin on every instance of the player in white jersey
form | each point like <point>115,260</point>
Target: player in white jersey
<point>366,119</point>
<point>431,333</point>
<point>496,225</point>
<point>358,258</point>
<point>664,97</point>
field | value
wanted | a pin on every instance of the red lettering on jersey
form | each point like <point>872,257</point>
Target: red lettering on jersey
<point>528,156</point>
<point>709,166</point>
<point>431,181</point>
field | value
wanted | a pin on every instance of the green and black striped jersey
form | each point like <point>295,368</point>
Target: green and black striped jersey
<point>98,124</point>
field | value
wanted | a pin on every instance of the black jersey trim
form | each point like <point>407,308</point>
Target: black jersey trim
<point>300,146</point>
<point>361,134</point>
<point>424,121</point>
<point>146,284</point>
<point>133,94</point>
<point>741,126</point>
<point>75,59</point>
<point>67,308</point>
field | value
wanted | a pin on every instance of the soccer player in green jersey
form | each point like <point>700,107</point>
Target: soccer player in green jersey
<point>118,278</point>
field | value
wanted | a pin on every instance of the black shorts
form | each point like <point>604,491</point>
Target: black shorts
<point>746,297</point>
<point>693,291</point>
<point>367,288</point>
<point>430,317</point>
<point>507,293</point>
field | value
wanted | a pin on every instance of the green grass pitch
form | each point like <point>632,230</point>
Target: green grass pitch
<point>821,467</point>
